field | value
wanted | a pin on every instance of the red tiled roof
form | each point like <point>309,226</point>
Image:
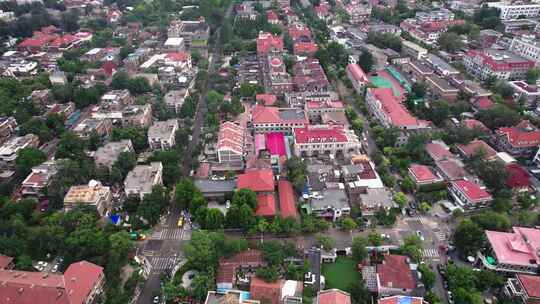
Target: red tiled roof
<point>257,180</point>
<point>484,103</point>
<point>178,56</point>
<point>395,272</point>
<point>267,42</point>
<point>64,40</point>
<point>394,109</point>
<point>531,284</point>
<point>265,292</point>
<point>477,146</point>
<point>266,205</point>
<point>271,15</point>
<point>319,134</point>
<point>500,64</point>
<point>437,151</point>
<point>266,99</point>
<point>304,48</point>
<point>80,278</point>
<point>322,9</point>
<point>333,296</point>
<point>471,190</point>
<point>357,73</point>
<point>108,67</point>
<point>524,135</point>
<point>517,176</point>
<point>227,266</point>
<point>231,137</point>
<point>423,173</point>
<point>5,261</point>
<point>324,105</point>
<point>262,114</point>
<point>287,201</point>
<point>474,124</point>
<point>299,30</point>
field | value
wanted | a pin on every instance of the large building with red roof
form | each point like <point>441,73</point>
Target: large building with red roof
<point>391,112</point>
<point>266,292</point>
<point>512,252</point>
<point>309,76</point>
<point>287,199</point>
<point>261,182</point>
<point>268,43</point>
<point>468,194</point>
<point>395,276</point>
<point>496,63</point>
<point>476,147</point>
<point>276,79</point>
<point>82,283</point>
<point>424,175</point>
<point>521,140</point>
<point>228,267</point>
<point>357,77</point>
<point>518,178</point>
<point>333,296</point>
<point>273,119</point>
<point>524,288</point>
<point>232,142</point>
<point>325,139</point>
<point>401,300</point>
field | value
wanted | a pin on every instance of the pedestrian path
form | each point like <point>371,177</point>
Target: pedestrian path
<point>430,253</point>
<point>172,234</point>
<point>419,219</point>
<point>163,263</point>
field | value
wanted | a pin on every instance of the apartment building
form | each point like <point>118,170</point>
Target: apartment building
<point>94,194</point>
<point>161,135</point>
<point>107,155</point>
<point>516,10</point>
<point>140,181</point>
<point>315,140</point>
<point>39,179</point>
<point>273,119</point>
<point>468,194</point>
<point>521,140</point>
<point>7,128</point>
<point>527,47</point>
<point>357,77</point>
<point>231,145</point>
<point>496,63</point>
<point>10,149</point>
<point>524,288</point>
<point>195,33</point>
<point>89,126</point>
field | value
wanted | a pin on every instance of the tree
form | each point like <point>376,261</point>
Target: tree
<point>125,162</point>
<point>498,116</point>
<point>204,249</point>
<point>375,239</point>
<point>359,293</point>
<point>412,246</point>
<point>38,127</point>
<point>489,220</point>
<point>120,80</point>
<point>488,280</point>
<point>359,251</point>
<point>407,184</point>
<point>138,85</point>
<point>245,197</point>
<point>428,277</point>
<point>120,246</point>
<point>28,158</point>
<point>272,252</point>
<point>347,224</point>
<point>70,146</point>
<point>533,75</point>
<point>468,237</point>
<point>450,41</point>
<point>324,241</point>
<point>296,171</point>
<point>366,61</point>
<point>214,219</point>
<point>185,193</point>
<point>268,274</point>
<point>136,135</point>
<point>400,199</point>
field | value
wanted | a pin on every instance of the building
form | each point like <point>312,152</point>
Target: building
<point>287,200</point>
<point>139,116</point>
<point>523,90</point>
<point>268,43</point>
<point>314,140</point>
<point>116,99</point>
<point>390,112</point>
<point>309,76</point>
<point>419,70</point>
<point>174,99</point>
<point>438,150</point>
<point>394,276</point>
<point>142,179</point>
<point>401,300</point>
<point>272,119</point>
<point>246,262</point>
<point>39,179</point>
<point>94,194</point>
<point>216,189</point>
<point>468,194</point>
<point>10,149</point>
<point>475,147</point>
<point>516,10</point>
<point>424,175</point>
<point>374,199</point>
<point>266,292</point>
<point>521,140</point>
<point>496,63</point>
<point>58,78</point>
<point>331,202</point>
<point>412,49</point>
<point>524,288</point>
<point>276,79</point>
<point>512,252</point>
<point>195,33</point>
<point>229,297</point>
<point>357,77</point>
<point>438,15</point>
<point>316,110</point>
<point>518,178</point>
<point>428,32</point>
<point>161,135</point>
<point>174,44</point>
<point>452,169</point>
<point>232,141</point>
<point>333,296</point>
<point>442,88</point>
<point>6,262</point>
<point>82,282</point>
<point>107,155</point>
<point>90,126</point>
<point>440,66</point>
<point>358,12</point>
<point>7,128</point>
<point>260,181</point>
<point>527,47</point>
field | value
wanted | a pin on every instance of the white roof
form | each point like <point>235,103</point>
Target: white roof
<point>506,158</point>
<point>177,41</point>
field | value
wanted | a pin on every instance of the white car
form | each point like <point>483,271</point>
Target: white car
<point>419,233</point>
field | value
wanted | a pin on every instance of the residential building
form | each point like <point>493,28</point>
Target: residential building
<point>161,135</point>
<point>315,140</point>
<point>357,77</point>
<point>395,276</point>
<point>174,99</point>
<point>116,99</point>
<point>374,199</point>
<point>268,43</point>
<point>401,300</point>
<point>331,203</point>
<point>139,116</point>
<point>275,77</point>
<point>287,200</point>
<point>522,90</point>
<point>245,262</point>
<point>58,78</point>
<point>512,252</point>
<point>516,10</point>
<point>441,88</point>
<point>266,292</point>
<point>468,194</point>
<point>518,178</point>
<point>7,128</point>
<point>81,283</point>
<point>94,194</point>
<point>39,179</point>
<point>273,119</point>
<point>475,147</point>
<point>419,70</point>
<point>424,175</point>
<point>440,66</point>
<point>435,15</point>
<point>174,44</point>
<point>107,155</point>
<point>384,28</point>
<point>315,109</point>
<point>527,47</point>
<point>216,189</point>
<point>524,288</point>
<point>358,12</point>
<point>142,179</point>
<point>496,63</point>
<point>195,33</point>
<point>11,148</point>
<point>390,112</point>
<point>438,150</point>
<point>229,297</point>
<point>309,76</point>
<point>89,126</point>
<point>260,181</point>
<point>521,140</point>
<point>452,169</point>
<point>412,49</point>
<point>428,32</point>
<point>333,296</point>
<point>232,141</point>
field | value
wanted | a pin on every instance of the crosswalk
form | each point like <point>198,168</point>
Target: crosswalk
<point>430,253</point>
<point>441,236</point>
<point>168,234</point>
<point>419,219</point>
<point>163,263</point>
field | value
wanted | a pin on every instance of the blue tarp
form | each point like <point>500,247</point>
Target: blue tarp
<point>114,219</point>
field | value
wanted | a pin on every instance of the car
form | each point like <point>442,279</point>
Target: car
<point>156,300</point>
<point>419,233</point>
<point>55,268</point>
<point>181,221</point>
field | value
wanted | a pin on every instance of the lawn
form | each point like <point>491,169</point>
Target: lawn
<point>341,274</point>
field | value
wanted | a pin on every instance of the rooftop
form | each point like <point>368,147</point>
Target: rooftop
<point>531,284</point>
<point>333,296</point>
<point>320,134</point>
<point>287,200</point>
<point>523,135</point>
<point>395,272</point>
<point>519,247</point>
<point>423,174</point>
<point>257,180</point>
<point>471,190</point>
<point>475,147</point>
